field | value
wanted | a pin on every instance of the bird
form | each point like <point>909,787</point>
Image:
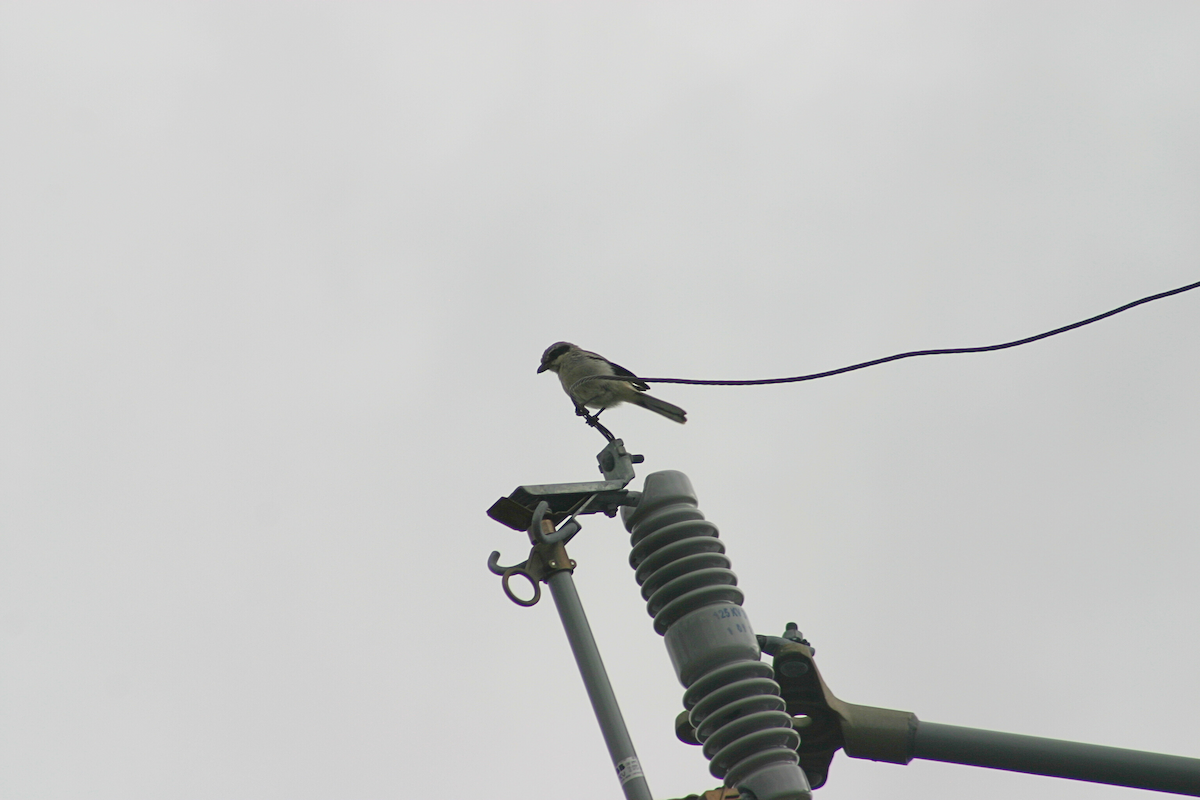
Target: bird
<point>573,363</point>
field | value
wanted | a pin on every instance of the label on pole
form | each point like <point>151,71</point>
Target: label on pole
<point>628,769</point>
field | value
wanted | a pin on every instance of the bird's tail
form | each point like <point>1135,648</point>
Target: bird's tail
<point>661,407</point>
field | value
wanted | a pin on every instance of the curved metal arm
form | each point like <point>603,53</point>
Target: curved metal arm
<point>494,564</point>
<point>569,528</point>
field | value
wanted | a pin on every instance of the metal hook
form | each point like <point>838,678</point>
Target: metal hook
<point>569,528</point>
<point>494,564</point>
<point>539,514</point>
<point>564,533</point>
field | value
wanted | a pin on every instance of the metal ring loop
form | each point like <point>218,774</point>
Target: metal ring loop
<point>537,590</point>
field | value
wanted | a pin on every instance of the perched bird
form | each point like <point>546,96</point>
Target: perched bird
<point>572,363</point>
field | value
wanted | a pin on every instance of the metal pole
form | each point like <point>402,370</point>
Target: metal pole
<point>1057,758</point>
<point>595,680</point>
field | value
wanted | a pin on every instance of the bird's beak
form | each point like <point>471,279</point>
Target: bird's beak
<point>541,369</point>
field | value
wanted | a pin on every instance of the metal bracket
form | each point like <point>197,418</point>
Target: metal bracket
<point>538,509</point>
<point>880,734</point>
<point>549,555</point>
<point>826,724</point>
<point>565,500</point>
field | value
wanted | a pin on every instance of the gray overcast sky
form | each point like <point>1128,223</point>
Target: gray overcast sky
<point>275,278</point>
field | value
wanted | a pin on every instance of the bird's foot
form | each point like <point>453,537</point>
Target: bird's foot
<point>583,412</point>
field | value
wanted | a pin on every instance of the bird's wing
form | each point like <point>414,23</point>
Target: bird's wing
<point>638,384</point>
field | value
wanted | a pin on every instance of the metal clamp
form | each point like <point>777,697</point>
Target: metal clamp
<point>537,509</point>
<point>549,554</point>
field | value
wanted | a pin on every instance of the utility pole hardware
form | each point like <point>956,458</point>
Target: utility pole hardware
<point>548,562</point>
<point>696,605</point>
<point>770,731</point>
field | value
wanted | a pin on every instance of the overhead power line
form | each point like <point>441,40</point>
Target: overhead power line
<point>911,354</point>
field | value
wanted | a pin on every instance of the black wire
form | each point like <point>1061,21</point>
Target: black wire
<point>910,354</point>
